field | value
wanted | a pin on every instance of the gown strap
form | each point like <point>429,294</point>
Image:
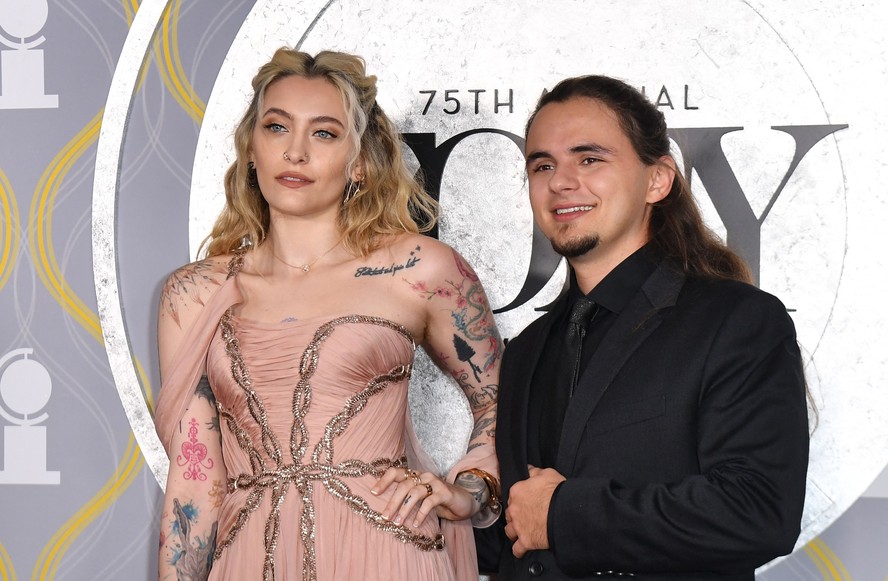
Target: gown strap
<point>236,262</point>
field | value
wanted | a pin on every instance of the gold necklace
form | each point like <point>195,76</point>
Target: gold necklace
<point>306,268</point>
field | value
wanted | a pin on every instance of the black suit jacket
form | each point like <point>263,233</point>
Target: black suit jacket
<point>685,445</point>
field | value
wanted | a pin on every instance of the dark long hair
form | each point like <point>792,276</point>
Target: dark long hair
<point>676,226</point>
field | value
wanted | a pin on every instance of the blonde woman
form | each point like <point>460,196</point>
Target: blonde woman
<point>285,354</point>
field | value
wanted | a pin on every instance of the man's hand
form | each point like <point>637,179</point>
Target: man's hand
<point>528,511</point>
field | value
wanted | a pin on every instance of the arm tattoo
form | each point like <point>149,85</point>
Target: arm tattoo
<point>194,455</point>
<point>474,485</point>
<point>464,353</point>
<point>480,397</point>
<point>205,391</point>
<point>184,283</point>
<point>192,558</point>
<point>483,396</point>
<point>474,331</point>
<point>472,317</point>
<point>216,494</point>
<point>486,424</point>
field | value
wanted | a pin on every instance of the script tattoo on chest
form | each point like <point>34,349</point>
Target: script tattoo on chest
<point>393,269</point>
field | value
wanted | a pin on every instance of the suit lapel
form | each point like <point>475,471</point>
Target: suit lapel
<point>514,394</point>
<point>637,321</point>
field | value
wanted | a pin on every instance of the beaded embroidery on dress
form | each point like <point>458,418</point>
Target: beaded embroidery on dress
<point>312,412</point>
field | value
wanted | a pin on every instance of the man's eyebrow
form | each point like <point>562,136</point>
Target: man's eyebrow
<point>591,148</point>
<point>536,155</point>
<point>581,148</point>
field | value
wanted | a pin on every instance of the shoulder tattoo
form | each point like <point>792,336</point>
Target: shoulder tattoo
<point>184,286</point>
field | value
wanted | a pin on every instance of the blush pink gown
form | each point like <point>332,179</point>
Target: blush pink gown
<point>311,411</point>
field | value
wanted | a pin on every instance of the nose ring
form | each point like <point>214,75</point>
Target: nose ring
<point>286,156</point>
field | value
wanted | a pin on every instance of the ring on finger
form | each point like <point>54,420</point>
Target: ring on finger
<point>428,488</point>
<point>415,476</point>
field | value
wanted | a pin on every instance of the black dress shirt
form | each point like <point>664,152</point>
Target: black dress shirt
<point>611,295</point>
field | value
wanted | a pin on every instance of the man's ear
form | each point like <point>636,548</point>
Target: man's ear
<point>662,176</point>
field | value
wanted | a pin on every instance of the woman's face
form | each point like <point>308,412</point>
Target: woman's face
<point>300,148</point>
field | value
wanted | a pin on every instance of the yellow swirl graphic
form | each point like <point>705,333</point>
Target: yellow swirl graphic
<point>40,235</point>
<point>828,563</point>
<point>43,252</point>
<point>167,49</point>
<point>52,554</point>
<point>130,8</point>
<point>7,571</point>
<point>40,227</point>
<point>9,229</point>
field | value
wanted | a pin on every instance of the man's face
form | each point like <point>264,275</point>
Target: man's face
<point>588,189</point>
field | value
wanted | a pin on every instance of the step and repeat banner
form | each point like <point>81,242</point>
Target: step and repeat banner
<point>115,129</point>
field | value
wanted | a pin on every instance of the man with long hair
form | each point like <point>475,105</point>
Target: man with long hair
<point>654,421</point>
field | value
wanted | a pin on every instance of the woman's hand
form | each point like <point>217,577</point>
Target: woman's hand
<point>416,494</point>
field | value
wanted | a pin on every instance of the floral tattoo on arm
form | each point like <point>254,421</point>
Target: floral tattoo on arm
<point>475,331</point>
<point>472,317</point>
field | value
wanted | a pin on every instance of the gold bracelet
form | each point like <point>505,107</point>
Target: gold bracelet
<point>492,484</point>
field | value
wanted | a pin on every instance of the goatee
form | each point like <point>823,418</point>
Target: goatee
<point>574,247</point>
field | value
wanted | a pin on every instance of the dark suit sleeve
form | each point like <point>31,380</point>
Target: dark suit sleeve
<point>489,543</point>
<point>744,506</point>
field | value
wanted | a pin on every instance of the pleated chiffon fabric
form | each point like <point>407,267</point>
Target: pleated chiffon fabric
<point>311,411</point>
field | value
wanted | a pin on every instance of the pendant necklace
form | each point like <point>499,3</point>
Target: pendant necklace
<point>306,268</point>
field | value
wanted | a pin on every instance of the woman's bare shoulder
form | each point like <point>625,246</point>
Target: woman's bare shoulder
<point>430,256</point>
<point>189,287</point>
<point>435,269</point>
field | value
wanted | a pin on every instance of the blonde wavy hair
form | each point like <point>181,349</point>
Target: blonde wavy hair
<point>390,200</point>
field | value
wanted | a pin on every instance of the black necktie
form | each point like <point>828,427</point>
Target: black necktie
<point>581,316</point>
<point>565,379</point>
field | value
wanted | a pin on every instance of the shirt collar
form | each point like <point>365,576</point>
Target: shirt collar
<point>619,286</point>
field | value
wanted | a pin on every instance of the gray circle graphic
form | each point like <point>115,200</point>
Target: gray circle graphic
<point>803,240</point>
